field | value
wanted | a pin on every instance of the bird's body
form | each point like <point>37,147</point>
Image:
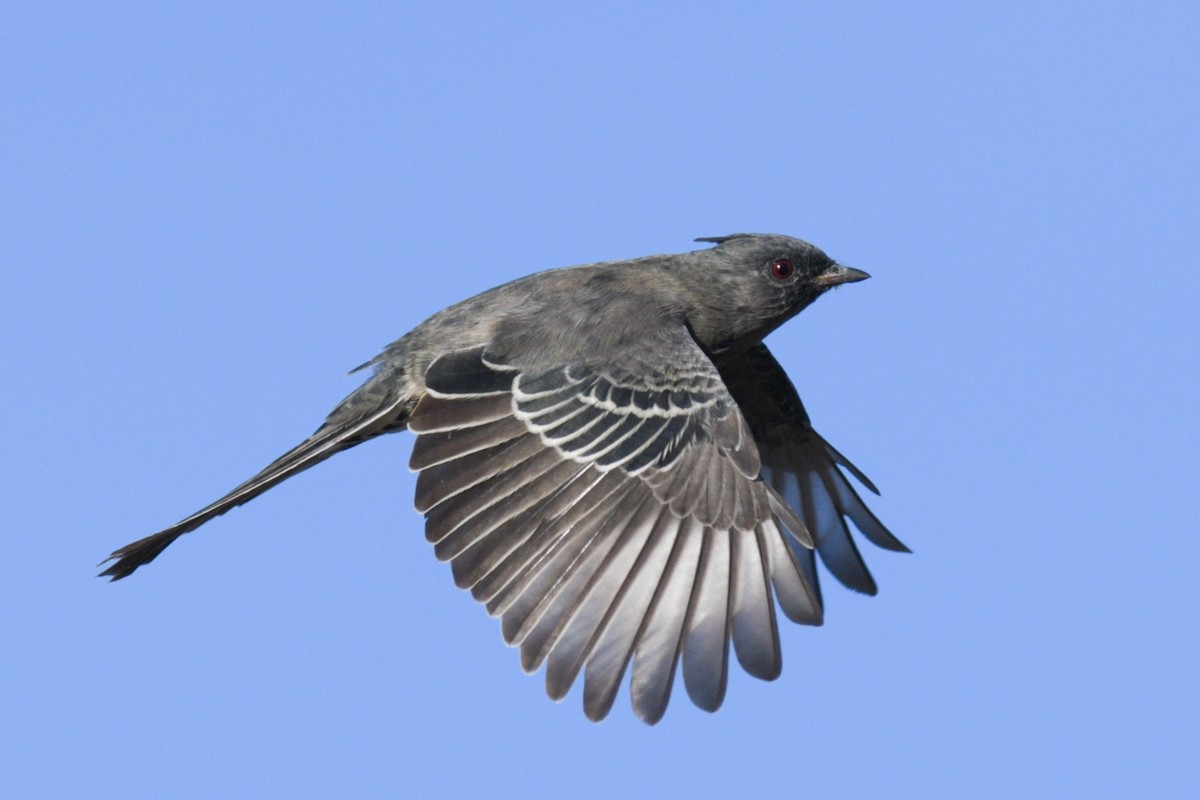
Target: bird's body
<point>615,465</point>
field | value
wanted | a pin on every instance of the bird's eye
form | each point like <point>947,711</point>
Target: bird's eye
<point>782,269</point>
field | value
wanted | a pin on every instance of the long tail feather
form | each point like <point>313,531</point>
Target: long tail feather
<point>344,429</point>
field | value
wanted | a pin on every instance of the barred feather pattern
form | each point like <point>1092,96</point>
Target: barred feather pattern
<point>613,522</point>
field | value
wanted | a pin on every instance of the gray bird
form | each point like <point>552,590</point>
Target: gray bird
<point>616,466</point>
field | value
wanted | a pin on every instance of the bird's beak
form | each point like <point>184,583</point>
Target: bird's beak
<point>837,274</point>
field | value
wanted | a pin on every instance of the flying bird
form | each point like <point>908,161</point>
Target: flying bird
<point>616,466</point>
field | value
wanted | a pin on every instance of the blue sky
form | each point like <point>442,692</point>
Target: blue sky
<point>209,213</point>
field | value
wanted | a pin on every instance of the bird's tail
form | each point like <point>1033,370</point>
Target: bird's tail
<point>377,407</point>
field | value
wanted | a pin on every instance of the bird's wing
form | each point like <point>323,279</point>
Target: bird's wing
<point>803,468</point>
<point>611,513</point>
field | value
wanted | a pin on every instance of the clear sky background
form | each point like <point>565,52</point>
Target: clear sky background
<point>209,212</point>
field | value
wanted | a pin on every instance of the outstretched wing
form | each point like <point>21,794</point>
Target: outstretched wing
<point>609,514</point>
<point>803,468</point>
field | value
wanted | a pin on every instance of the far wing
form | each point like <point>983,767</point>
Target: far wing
<point>803,468</point>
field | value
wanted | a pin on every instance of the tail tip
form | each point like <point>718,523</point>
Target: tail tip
<point>134,555</point>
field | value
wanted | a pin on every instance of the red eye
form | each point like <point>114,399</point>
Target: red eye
<point>781,269</point>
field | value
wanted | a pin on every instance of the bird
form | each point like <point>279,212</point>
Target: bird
<point>616,466</point>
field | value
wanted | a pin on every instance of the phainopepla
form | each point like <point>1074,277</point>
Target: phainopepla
<point>615,465</point>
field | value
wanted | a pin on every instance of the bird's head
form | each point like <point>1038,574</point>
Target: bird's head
<point>752,283</point>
